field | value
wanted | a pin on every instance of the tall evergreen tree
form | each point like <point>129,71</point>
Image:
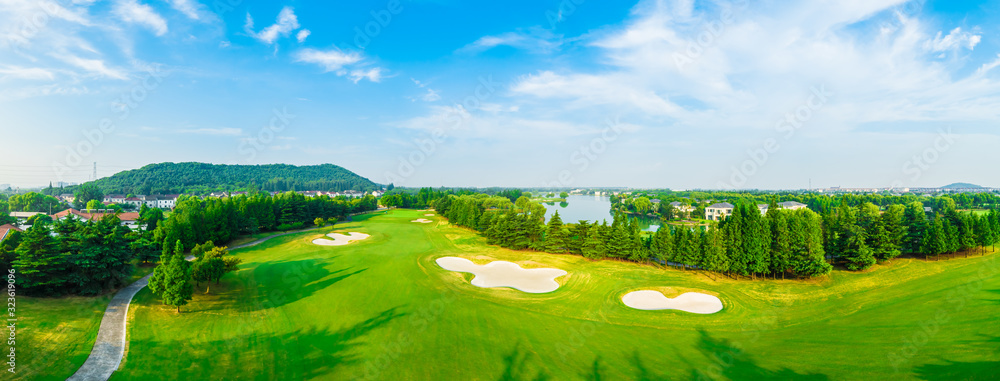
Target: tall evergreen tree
<point>40,263</point>
<point>808,255</point>
<point>915,220</point>
<point>171,280</point>
<point>781,241</point>
<point>556,238</point>
<point>662,245</point>
<point>714,252</point>
<point>985,235</point>
<point>594,246</point>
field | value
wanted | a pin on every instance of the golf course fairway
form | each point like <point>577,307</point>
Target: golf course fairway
<point>381,308</point>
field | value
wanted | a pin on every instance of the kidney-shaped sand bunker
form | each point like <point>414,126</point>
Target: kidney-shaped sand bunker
<point>505,274</point>
<point>694,302</point>
<point>340,239</point>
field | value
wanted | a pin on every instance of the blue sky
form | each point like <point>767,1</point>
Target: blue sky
<point>572,93</point>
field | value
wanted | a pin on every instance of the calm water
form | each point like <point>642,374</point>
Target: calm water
<point>592,208</point>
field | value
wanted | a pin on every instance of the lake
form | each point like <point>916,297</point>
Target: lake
<point>592,208</point>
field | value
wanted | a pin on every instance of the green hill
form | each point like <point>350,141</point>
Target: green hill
<point>961,186</point>
<point>199,178</point>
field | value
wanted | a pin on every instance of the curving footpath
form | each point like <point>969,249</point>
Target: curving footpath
<point>109,348</point>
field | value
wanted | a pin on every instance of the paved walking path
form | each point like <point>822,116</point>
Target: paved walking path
<point>110,345</point>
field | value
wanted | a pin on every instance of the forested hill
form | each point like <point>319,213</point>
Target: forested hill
<point>961,186</point>
<point>199,178</point>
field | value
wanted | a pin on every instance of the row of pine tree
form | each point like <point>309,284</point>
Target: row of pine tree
<point>799,243</point>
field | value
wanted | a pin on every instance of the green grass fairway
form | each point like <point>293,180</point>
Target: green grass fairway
<point>55,335</point>
<point>382,309</point>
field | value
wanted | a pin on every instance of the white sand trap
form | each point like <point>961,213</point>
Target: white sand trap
<point>422,220</point>
<point>694,302</point>
<point>340,239</point>
<point>505,274</point>
<point>429,214</point>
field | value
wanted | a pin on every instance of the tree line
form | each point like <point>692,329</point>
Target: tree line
<point>194,220</point>
<point>799,243</point>
<point>70,256</point>
<point>640,202</point>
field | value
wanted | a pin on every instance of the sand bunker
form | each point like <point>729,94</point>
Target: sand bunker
<point>429,214</point>
<point>694,302</point>
<point>505,274</point>
<point>339,239</point>
<point>422,220</point>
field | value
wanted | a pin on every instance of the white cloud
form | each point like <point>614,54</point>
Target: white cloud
<point>956,39</point>
<point>286,23</point>
<point>534,39</point>
<point>131,11</point>
<point>330,60</point>
<point>225,131</point>
<point>989,66</point>
<point>94,66</point>
<point>725,74</point>
<point>373,74</point>
<point>431,96</point>
<point>303,34</point>
<point>342,63</point>
<point>30,73</point>
<point>190,8</point>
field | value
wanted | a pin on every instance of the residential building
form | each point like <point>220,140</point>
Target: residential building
<point>114,198</point>
<point>718,211</point>
<point>23,217</point>
<point>135,201</point>
<point>128,219</point>
<point>6,229</point>
<point>792,205</point>
<point>682,207</point>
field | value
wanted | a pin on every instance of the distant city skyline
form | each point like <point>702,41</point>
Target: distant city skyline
<point>570,93</point>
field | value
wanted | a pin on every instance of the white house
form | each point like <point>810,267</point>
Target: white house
<point>792,205</point>
<point>718,211</point>
<point>114,198</point>
<point>682,207</point>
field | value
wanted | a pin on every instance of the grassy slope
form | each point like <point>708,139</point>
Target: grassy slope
<point>382,308</point>
<point>55,335</point>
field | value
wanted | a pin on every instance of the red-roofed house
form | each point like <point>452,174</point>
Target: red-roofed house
<point>129,219</point>
<point>6,229</point>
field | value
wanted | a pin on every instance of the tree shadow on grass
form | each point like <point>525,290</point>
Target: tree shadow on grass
<point>594,373</point>
<point>306,353</point>
<point>287,282</point>
<point>516,367</point>
<point>974,370</point>
<point>953,370</point>
<point>320,353</point>
<point>729,362</point>
<point>642,372</point>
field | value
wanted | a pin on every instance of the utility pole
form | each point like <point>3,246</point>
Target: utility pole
<point>95,171</point>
